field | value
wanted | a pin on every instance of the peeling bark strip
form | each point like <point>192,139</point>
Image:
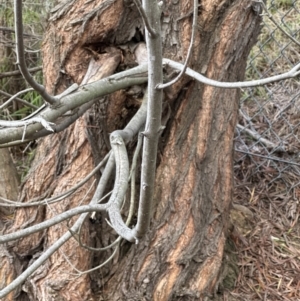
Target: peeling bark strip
<point>181,256</point>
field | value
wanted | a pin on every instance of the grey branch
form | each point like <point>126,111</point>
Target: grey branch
<point>71,102</point>
<point>26,122</point>
<point>51,222</point>
<point>20,54</point>
<point>233,85</point>
<point>153,122</point>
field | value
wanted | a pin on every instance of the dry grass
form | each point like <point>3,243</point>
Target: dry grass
<point>268,243</point>
<point>267,176</point>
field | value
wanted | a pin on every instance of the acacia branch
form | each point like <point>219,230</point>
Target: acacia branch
<point>84,97</point>
<point>120,187</point>
<point>133,127</point>
<point>153,122</point>
<point>7,102</point>
<point>122,170</point>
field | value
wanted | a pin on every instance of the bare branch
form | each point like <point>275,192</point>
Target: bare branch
<point>153,123</point>
<point>20,54</point>
<point>233,85</point>
<point>133,127</point>
<point>99,266</point>
<point>259,138</point>
<point>120,187</point>
<point>6,103</point>
<point>53,221</point>
<point>132,199</point>
<point>85,96</point>
<point>17,72</point>
<point>30,35</point>
<point>17,99</point>
<point>122,169</point>
<point>24,123</point>
<point>87,93</point>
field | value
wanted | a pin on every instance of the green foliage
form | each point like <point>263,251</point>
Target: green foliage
<point>7,14</point>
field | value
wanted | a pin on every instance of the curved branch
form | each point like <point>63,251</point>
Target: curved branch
<point>89,92</point>
<point>194,26</point>
<point>233,85</point>
<point>120,186</point>
<point>97,267</point>
<point>20,54</point>
<point>17,72</point>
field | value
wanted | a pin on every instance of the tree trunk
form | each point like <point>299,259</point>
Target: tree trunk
<point>180,258</point>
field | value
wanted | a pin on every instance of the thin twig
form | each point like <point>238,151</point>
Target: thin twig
<point>59,197</point>
<point>259,138</point>
<point>85,96</point>
<point>6,103</point>
<point>267,157</point>
<point>144,17</point>
<point>182,72</point>
<point>99,266</point>
<point>18,72</point>
<point>24,102</point>
<point>20,54</point>
<point>53,221</point>
<point>64,238</point>
<point>2,28</point>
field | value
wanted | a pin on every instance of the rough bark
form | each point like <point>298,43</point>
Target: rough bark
<point>9,179</point>
<point>181,256</point>
<point>9,189</point>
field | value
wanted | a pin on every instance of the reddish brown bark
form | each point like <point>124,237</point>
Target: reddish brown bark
<point>181,256</point>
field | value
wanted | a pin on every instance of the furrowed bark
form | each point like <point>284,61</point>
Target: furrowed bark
<point>181,255</point>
